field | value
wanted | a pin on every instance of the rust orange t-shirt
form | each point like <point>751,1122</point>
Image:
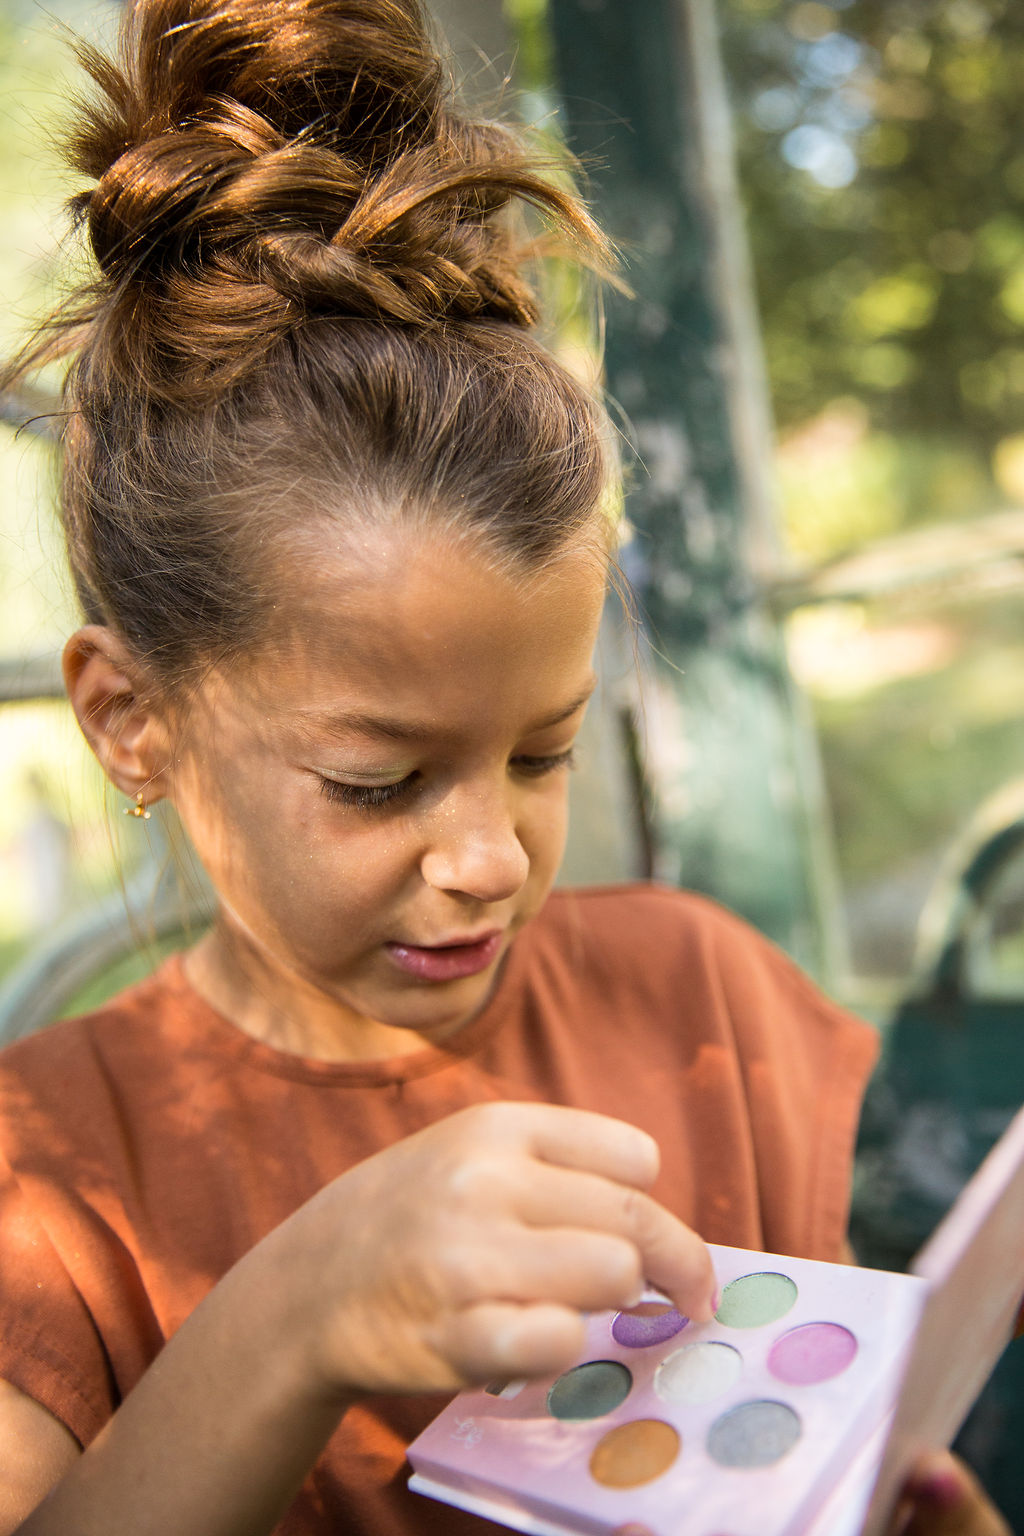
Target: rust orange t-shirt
<point>144,1148</point>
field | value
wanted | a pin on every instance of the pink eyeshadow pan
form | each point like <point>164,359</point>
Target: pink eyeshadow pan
<point>816,1352</point>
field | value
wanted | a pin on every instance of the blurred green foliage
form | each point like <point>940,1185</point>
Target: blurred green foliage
<point>881,163</point>
<point>892,267</point>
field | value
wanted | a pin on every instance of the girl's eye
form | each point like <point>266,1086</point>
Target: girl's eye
<point>368,797</point>
<point>364,797</point>
<point>535,767</point>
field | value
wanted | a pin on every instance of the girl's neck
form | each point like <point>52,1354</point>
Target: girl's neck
<point>284,1010</point>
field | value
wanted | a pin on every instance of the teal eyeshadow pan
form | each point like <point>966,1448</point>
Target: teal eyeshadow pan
<point>590,1391</point>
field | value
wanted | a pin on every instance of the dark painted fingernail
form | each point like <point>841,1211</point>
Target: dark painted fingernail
<point>942,1489</point>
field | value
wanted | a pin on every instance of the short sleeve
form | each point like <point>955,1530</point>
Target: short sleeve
<point>805,1062</point>
<point>50,1347</point>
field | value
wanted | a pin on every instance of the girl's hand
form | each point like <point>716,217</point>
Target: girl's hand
<point>468,1251</point>
<point>943,1498</point>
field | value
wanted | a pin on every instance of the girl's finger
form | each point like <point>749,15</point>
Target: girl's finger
<point>946,1499</point>
<point>674,1259</point>
<point>671,1256</point>
<point>571,1266</point>
<point>587,1271</point>
<point>500,1340</point>
<point>578,1138</point>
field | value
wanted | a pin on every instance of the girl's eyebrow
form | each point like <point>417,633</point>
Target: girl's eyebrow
<point>358,722</point>
<point>570,709</point>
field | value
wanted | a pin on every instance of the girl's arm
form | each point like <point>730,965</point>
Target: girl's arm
<point>471,1248</point>
<point>35,1452</point>
<point>216,1438</point>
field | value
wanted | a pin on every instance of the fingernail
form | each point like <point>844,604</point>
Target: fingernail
<point>716,1298</point>
<point>942,1489</point>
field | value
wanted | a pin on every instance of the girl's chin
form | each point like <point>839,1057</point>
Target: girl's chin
<point>434,1013</point>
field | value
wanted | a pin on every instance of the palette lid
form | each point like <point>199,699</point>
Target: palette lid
<point>974,1265</point>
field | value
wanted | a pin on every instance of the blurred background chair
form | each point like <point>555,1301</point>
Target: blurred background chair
<point>948,1086</point>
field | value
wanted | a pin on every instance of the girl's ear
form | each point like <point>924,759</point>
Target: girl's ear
<point>119,721</point>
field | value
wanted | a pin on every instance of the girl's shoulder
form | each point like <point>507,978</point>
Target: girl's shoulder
<point>680,955</point>
<point>68,1062</point>
<point>643,916</point>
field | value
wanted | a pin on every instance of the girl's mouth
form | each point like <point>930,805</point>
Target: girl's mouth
<point>446,962</point>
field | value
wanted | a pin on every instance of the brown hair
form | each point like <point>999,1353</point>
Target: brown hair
<point>307,278</point>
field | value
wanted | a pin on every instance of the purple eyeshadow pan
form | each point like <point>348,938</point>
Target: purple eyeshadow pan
<point>815,1352</point>
<point>652,1322</point>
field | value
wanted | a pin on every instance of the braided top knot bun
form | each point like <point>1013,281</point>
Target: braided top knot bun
<point>262,161</point>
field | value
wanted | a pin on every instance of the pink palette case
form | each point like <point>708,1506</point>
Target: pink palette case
<point>795,1412</point>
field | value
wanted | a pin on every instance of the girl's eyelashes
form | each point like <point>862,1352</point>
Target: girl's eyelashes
<point>365,797</point>
<point>368,797</point>
<point>536,766</point>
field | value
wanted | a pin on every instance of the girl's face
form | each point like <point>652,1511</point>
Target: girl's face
<point>380,801</point>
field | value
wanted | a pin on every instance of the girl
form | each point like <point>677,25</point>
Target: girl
<point>337,524</point>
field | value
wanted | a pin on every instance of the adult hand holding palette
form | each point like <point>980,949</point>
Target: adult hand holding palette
<point>795,1412</point>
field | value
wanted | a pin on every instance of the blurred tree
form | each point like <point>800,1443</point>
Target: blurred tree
<point>890,267</point>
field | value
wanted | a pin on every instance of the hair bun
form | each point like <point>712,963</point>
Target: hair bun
<point>273,158</point>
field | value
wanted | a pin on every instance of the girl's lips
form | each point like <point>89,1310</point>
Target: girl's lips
<point>446,962</point>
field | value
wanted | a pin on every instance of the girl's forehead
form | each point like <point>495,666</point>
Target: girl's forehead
<point>407,591</point>
<point>425,623</point>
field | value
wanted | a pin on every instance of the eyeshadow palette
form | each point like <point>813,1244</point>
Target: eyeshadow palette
<point>773,1419</point>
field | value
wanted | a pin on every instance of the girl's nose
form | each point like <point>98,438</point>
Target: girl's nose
<point>476,850</point>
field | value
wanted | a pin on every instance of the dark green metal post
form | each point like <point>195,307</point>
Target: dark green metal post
<point>738,805</point>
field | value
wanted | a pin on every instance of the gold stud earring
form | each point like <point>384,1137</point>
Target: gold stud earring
<point>138,809</point>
